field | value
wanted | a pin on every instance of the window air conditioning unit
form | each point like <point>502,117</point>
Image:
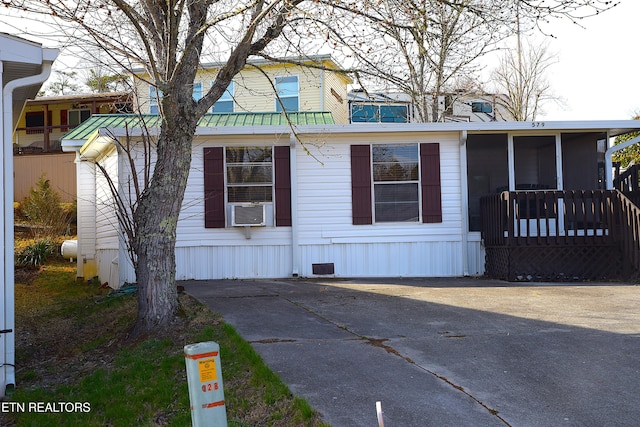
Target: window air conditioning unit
<point>248,215</point>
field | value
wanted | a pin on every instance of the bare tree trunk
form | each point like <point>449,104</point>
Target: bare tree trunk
<point>156,219</point>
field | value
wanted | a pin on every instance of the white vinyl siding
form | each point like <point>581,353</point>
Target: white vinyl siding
<point>107,235</point>
<point>324,221</point>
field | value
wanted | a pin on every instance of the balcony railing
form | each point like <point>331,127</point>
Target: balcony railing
<point>38,139</point>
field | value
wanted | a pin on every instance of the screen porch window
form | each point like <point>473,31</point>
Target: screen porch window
<point>249,174</point>
<point>396,183</point>
<point>288,94</point>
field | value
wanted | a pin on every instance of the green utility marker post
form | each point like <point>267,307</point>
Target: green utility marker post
<point>206,393</point>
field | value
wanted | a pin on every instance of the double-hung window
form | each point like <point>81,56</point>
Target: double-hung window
<point>288,91</point>
<point>75,117</point>
<point>154,98</point>
<point>155,95</point>
<point>396,183</point>
<point>249,174</point>
<point>197,91</point>
<point>224,104</point>
<point>239,175</point>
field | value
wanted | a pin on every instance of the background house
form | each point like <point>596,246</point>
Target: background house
<point>36,138</point>
<point>377,107</point>
<point>318,86</point>
<point>24,66</point>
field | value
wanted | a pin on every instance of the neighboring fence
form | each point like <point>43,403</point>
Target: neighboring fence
<point>561,235</point>
<point>59,169</point>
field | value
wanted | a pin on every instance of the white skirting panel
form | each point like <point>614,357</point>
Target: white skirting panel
<point>109,271</point>
<point>202,263</point>
<point>233,262</point>
<point>476,255</point>
<point>416,259</point>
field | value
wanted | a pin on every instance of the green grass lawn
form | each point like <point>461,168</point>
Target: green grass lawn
<point>72,347</point>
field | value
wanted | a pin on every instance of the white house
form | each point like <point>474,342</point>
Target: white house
<point>337,200</point>
<point>24,66</point>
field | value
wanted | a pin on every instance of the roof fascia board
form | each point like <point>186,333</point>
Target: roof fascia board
<point>614,128</point>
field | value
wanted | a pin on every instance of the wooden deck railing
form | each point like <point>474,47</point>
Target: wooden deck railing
<point>562,218</point>
<point>628,182</point>
<point>547,217</point>
<point>629,235</point>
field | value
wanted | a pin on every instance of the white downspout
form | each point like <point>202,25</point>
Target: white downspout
<point>608,159</point>
<point>295,248</point>
<point>464,198</point>
<point>7,178</point>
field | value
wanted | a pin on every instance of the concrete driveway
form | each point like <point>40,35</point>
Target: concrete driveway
<point>445,352</point>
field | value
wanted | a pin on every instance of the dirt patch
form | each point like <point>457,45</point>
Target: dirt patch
<point>26,275</point>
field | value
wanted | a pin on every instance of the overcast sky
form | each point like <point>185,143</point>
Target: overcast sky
<point>598,73</point>
<point>598,68</point>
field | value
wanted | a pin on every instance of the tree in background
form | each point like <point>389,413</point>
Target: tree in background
<point>521,77</point>
<point>431,48</point>
<point>630,155</point>
<point>64,83</point>
<point>101,83</point>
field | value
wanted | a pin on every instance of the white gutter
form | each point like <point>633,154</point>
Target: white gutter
<point>608,159</point>
<point>464,205</point>
<point>7,178</point>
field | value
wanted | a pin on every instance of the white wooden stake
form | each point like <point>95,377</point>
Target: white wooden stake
<point>380,414</point>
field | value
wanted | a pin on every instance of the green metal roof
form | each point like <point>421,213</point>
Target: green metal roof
<point>101,121</point>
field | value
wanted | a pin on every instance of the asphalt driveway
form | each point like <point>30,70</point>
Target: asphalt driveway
<point>444,352</point>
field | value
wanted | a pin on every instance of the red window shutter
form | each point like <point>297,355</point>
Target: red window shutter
<point>64,120</point>
<point>361,184</point>
<point>214,216</point>
<point>282,159</point>
<point>431,188</point>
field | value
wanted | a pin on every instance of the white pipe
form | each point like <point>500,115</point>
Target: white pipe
<point>295,248</point>
<point>464,202</point>
<point>7,117</point>
<point>608,159</point>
